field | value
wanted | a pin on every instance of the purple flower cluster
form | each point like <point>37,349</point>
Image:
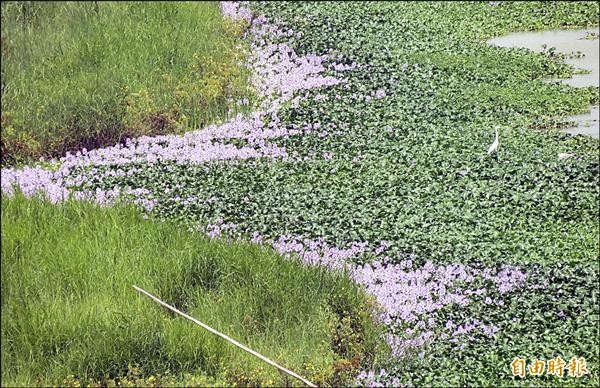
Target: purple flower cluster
<point>35,181</point>
<point>467,327</point>
<point>379,94</point>
<point>406,295</point>
<point>141,197</point>
<point>340,67</point>
<point>402,345</point>
<point>372,379</point>
<point>410,296</point>
<point>279,74</point>
<point>318,252</point>
<point>507,279</point>
<point>32,181</point>
<point>191,148</point>
<point>413,338</point>
<point>217,228</point>
<point>235,11</point>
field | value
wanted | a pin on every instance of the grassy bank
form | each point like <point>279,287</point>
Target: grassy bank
<point>68,308</point>
<point>88,74</point>
<point>477,259</point>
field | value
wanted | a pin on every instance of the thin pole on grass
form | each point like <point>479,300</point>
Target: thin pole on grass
<point>239,345</point>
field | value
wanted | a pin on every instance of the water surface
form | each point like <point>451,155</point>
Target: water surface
<point>567,42</point>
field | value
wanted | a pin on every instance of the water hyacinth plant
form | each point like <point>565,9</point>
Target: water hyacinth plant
<point>366,155</point>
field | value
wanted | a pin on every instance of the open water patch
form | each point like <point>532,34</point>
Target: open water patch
<point>580,49</point>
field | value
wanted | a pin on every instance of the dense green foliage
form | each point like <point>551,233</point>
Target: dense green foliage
<point>89,74</point>
<point>411,168</point>
<point>68,307</point>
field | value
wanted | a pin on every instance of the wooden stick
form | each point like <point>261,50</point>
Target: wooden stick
<point>239,345</point>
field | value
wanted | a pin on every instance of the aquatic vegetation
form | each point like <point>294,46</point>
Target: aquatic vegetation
<point>366,153</point>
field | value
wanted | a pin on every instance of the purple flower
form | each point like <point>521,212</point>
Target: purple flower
<point>379,94</point>
<point>411,295</point>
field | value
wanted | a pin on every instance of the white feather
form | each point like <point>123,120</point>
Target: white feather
<point>565,156</point>
<point>495,145</point>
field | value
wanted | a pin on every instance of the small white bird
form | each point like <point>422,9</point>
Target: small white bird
<point>495,144</point>
<point>565,155</point>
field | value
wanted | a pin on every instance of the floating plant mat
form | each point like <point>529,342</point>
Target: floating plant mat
<point>578,48</point>
<point>368,154</point>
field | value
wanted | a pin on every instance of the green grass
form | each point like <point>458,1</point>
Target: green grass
<point>89,74</point>
<point>69,312</point>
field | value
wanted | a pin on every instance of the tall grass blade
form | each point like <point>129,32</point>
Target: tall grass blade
<point>239,345</point>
